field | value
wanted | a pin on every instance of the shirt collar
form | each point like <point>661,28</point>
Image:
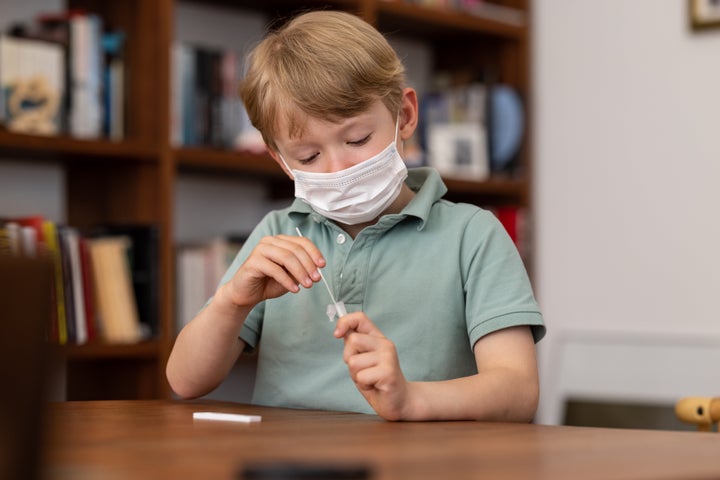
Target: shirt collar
<point>424,181</point>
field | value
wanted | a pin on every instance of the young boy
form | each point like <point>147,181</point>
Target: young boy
<point>441,318</point>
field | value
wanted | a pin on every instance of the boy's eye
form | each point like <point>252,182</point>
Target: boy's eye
<point>308,160</point>
<point>362,141</point>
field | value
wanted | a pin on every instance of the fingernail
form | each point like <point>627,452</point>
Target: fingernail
<point>315,275</point>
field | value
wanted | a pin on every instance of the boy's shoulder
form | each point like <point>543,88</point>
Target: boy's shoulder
<point>462,212</point>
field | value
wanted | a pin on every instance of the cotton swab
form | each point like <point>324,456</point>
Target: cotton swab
<point>339,306</point>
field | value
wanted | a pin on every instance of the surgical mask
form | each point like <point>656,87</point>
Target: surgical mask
<point>357,194</point>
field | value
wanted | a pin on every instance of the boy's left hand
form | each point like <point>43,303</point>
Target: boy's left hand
<point>374,365</point>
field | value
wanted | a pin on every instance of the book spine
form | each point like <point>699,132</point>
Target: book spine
<point>68,287</point>
<point>88,292</point>
<point>76,279</point>
<point>51,238</point>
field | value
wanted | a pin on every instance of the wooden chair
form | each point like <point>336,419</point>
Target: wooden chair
<point>701,411</point>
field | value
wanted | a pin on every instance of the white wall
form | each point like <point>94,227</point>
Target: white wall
<point>627,151</point>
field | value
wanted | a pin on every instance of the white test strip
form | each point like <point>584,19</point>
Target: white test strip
<point>226,417</point>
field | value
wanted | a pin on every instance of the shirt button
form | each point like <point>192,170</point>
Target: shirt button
<point>340,239</point>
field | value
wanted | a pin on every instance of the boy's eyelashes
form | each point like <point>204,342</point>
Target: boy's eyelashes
<point>355,143</point>
<point>308,160</point>
<point>362,141</point>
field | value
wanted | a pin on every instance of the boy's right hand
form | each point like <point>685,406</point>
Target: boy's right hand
<point>277,265</point>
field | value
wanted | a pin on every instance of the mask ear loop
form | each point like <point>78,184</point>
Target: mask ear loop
<point>397,126</point>
<point>292,175</point>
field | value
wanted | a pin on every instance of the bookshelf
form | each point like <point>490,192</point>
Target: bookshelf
<point>133,180</point>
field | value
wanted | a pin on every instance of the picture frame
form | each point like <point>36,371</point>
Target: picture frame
<point>704,14</point>
<point>459,150</point>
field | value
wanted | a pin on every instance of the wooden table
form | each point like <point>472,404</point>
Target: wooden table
<point>160,440</point>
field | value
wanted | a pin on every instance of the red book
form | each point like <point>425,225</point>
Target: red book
<point>88,289</point>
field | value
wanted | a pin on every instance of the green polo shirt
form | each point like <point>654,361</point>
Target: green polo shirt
<point>434,279</point>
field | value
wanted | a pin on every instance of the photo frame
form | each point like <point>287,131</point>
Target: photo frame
<point>704,14</point>
<point>459,150</point>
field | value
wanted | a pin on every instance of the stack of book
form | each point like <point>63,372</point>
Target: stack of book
<point>206,107</point>
<point>105,281</point>
<point>200,267</point>
<point>63,74</point>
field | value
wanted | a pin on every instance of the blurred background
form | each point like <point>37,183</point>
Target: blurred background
<point>623,106</point>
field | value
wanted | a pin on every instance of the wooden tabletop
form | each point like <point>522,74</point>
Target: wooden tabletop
<point>160,440</point>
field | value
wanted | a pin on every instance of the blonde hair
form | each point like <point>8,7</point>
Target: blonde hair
<point>325,64</point>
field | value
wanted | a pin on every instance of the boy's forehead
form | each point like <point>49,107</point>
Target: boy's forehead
<point>292,123</point>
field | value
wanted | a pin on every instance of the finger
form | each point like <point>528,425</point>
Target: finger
<point>358,367</point>
<point>376,377</point>
<point>292,257</point>
<point>356,343</point>
<point>317,257</point>
<point>369,378</point>
<point>358,322</point>
<point>361,361</point>
<point>264,268</point>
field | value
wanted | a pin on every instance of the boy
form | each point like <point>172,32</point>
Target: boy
<point>442,320</point>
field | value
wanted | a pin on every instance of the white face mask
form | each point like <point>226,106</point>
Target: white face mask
<point>357,194</point>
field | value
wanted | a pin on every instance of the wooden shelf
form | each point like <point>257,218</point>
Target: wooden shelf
<point>98,350</point>
<point>428,22</point>
<point>499,187</point>
<point>224,160</point>
<point>64,146</point>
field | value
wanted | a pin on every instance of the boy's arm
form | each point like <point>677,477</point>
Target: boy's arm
<point>207,348</point>
<point>504,389</point>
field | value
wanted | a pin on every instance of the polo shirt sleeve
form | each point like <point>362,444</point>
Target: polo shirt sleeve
<point>497,288</point>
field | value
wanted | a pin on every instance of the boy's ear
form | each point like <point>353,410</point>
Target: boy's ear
<point>408,114</point>
<point>276,156</point>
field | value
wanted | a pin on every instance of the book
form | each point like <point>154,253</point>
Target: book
<point>515,221</point>
<point>59,326</point>
<point>116,304</point>
<point>71,237</point>
<point>144,262</point>
<point>86,68</point>
<point>87,286</point>
<point>33,85</point>
<point>206,108</point>
<point>191,284</point>
<point>33,234</point>
<point>114,85</point>
<point>14,239</point>
<point>5,248</point>
<point>63,232</point>
<point>200,267</point>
